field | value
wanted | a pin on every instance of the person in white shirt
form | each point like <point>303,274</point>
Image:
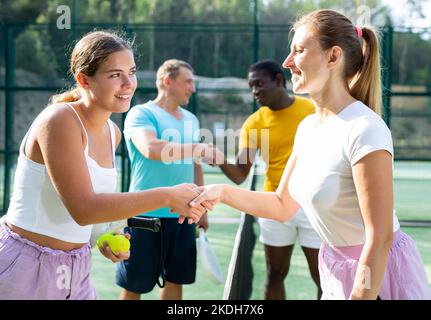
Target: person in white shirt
<point>340,170</point>
<point>65,180</point>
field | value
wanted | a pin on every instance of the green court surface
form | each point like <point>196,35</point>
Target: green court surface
<point>412,186</point>
<point>221,236</point>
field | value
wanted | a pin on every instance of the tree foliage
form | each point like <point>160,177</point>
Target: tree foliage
<point>212,52</point>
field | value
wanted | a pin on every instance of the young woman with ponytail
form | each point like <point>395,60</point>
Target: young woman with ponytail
<point>340,170</point>
<point>65,179</point>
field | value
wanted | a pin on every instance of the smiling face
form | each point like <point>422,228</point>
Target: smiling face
<point>307,62</point>
<point>181,87</point>
<point>114,83</point>
<point>263,87</point>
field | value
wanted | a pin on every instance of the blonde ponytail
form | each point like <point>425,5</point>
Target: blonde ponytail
<point>366,84</point>
<point>71,95</point>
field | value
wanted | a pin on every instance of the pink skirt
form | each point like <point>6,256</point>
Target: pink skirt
<point>405,277</point>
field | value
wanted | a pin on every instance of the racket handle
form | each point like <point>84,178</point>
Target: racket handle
<point>151,224</point>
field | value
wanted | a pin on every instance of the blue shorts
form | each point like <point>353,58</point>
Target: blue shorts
<point>140,273</point>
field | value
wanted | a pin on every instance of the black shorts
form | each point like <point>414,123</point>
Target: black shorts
<point>139,274</point>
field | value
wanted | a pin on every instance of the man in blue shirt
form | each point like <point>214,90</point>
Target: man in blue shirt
<point>163,144</point>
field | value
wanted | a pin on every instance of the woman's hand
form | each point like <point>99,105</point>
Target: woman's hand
<point>200,202</point>
<point>107,253</point>
<point>208,196</point>
<point>179,199</point>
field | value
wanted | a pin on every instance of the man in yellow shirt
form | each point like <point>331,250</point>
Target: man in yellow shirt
<point>277,119</point>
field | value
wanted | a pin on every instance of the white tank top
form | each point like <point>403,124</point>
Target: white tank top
<point>35,204</point>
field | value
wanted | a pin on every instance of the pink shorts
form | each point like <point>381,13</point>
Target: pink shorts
<point>29,271</point>
<point>405,277</point>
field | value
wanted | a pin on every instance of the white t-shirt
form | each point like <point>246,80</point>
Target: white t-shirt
<point>322,181</point>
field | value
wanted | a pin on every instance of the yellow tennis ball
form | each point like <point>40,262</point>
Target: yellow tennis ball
<point>119,243</point>
<point>104,237</point>
<point>197,231</point>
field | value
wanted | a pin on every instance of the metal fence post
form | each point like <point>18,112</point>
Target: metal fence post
<point>125,168</point>
<point>256,31</point>
<point>9,83</point>
<point>387,73</point>
<point>125,162</point>
<point>74,16</point>
<point>255,43</point>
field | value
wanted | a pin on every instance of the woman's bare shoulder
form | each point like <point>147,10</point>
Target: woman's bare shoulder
<point>58,119</point>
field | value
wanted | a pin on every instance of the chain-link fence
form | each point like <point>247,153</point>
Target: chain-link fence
<point>34,61</point>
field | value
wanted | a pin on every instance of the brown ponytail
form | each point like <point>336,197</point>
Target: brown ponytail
<point>362,63</point>
<point>366,84</point>
<point>87,55</point>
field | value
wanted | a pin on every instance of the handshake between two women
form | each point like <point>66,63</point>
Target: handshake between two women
<point>192,201</point>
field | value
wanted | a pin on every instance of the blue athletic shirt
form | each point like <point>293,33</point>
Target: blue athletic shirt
<point>148,174</point>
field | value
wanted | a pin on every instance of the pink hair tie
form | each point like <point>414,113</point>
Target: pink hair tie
<point>358,31</point>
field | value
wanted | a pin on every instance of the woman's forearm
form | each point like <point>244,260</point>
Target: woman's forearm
<point>371,269</point>
<point>106,207</point>
<point>260,204</point>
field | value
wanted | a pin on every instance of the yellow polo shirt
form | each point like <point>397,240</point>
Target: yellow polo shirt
<point>279,135</point>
